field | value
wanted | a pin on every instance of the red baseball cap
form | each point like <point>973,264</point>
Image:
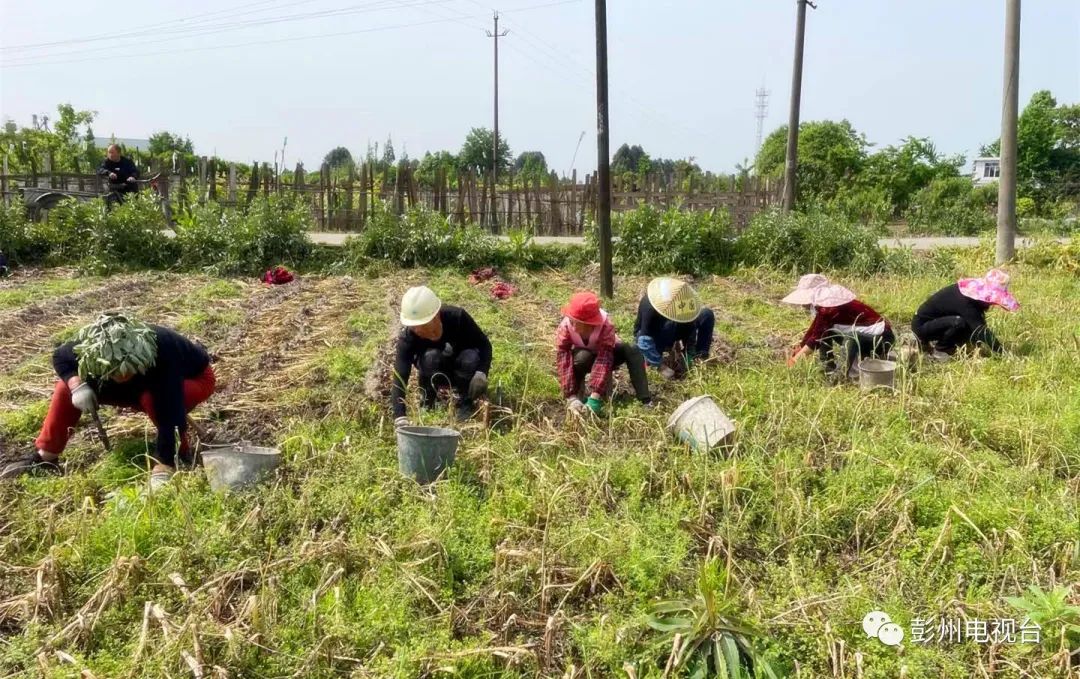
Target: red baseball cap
<point>584,307</point>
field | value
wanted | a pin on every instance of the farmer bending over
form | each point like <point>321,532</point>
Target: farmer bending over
<point>956,315</point>
<point>586,344</point>
<point>670,318</point>
<point>840,322</point>
<point>126,363</point>
<point>121,174</point>
<point>447,347</point>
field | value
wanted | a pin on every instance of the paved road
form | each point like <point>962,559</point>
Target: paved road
<point>921,243</point>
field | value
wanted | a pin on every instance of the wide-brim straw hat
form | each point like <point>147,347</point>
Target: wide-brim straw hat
<point>993,288</point>
<point>673,299</point>
<point>831,295</point>
<point>803,293</point>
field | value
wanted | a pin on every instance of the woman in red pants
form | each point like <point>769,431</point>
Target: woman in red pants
<point>122,362</point>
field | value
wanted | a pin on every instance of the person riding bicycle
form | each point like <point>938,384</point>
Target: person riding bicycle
<point>121,173</point>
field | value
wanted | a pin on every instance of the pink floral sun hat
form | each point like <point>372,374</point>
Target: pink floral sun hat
<point>804,290</point>
<point>993,288</point>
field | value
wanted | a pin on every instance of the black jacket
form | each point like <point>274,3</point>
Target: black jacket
<point>460,331</point>
<point>123,168</point>
<point>178,359</point>
<point>949,301</point>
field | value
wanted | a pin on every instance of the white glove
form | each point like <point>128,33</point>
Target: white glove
<point>574,405</point>
<point>401,422</point>
<point>84,398</point>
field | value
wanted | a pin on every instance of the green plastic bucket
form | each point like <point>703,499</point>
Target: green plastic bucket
<point>424,453</point>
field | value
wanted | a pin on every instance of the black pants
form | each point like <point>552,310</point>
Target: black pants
<point>625,354</point>
<point>115,196</point>
<point>856,345</point>
<point>950,332</point>
<point>439,370</point>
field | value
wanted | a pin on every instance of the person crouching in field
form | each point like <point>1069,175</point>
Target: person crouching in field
<point>670,318</point>
<point>955,316</point>
<point>123,362</point>
<point>586,344</point>
<point>840,323</point>
<point>448,348</point>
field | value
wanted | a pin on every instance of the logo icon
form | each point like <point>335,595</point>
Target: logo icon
<point>878,624</point>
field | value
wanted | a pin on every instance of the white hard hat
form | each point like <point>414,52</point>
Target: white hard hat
<point>418,306</point>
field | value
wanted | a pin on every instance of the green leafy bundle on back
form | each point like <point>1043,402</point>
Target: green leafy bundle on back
<point>115,345</point>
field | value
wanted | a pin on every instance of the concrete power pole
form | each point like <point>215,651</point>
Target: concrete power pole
<point>603,153</point>
<point>792,160</point>
<point>495,136</point>
<point>1006,221</point>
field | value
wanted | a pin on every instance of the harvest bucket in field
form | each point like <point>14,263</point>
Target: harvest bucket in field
<point>237,465</point>
<point>876,372</point>
<point>700,423</point>
<point>423,453</point>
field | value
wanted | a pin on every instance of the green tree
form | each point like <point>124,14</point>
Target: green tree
<point>164,144</point>
<point>901,171</point>
<point>628,159</point>
<point>476,152</point>
<point>830,154</point>
<point>430,165</point>
<point>338,157</point>
<point>531,165</point>
<point>388,156</point>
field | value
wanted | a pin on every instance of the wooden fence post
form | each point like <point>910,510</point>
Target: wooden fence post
<point>202,180</point>
<point>253,183</point>
<point>232,184</point>
<point>163,192</point>
<point>4,182</point>
<point>212,173</point>
<point>181,195</point>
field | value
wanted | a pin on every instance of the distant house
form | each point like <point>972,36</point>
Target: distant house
<point>986,171</point>
<point>126,143</point>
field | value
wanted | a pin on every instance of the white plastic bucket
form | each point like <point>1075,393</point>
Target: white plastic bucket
<point>876,372</point>
<point>700,423</point>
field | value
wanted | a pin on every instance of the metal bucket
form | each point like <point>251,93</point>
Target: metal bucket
<point>424,453</point>
<point>700,423</point>
<point>238,465</point>
<point>876,372</point>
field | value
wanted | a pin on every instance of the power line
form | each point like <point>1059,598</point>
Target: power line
<point>199,31</point>
<point>150,28</point>
<point>240,44</point>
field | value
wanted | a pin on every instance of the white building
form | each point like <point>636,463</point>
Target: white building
<point>986,171</point>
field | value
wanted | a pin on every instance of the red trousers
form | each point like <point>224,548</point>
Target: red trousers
<point>63,415</point>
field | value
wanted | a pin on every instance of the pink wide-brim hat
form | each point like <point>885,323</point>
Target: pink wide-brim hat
<point>803,293</point>
<point>831,295</point>
<point>993,288</point>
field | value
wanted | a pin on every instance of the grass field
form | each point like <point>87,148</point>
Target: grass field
<point>545,550</point>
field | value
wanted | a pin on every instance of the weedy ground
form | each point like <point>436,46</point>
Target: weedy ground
<point>543,551</point>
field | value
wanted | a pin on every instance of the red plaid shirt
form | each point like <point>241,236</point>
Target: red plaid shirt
<point>604,348</point>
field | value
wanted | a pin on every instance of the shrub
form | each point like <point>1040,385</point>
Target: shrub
<point>130,236</point>
<point>225,241</point>
<point>1025,206</point>
<point>950,207</point>
<point>422,237</point>
<point>65,233</point>
<point>868,205</point>
<point>15,240</point>
<point>803,242</point>
<point>651,241</point>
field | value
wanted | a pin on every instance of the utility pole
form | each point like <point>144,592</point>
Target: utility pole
<point>792,161</point>
<point>603,154</point>
<point>1010,104</point>
<point>495,137</point>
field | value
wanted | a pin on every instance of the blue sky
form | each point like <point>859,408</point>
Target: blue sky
<point>683,73</point>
